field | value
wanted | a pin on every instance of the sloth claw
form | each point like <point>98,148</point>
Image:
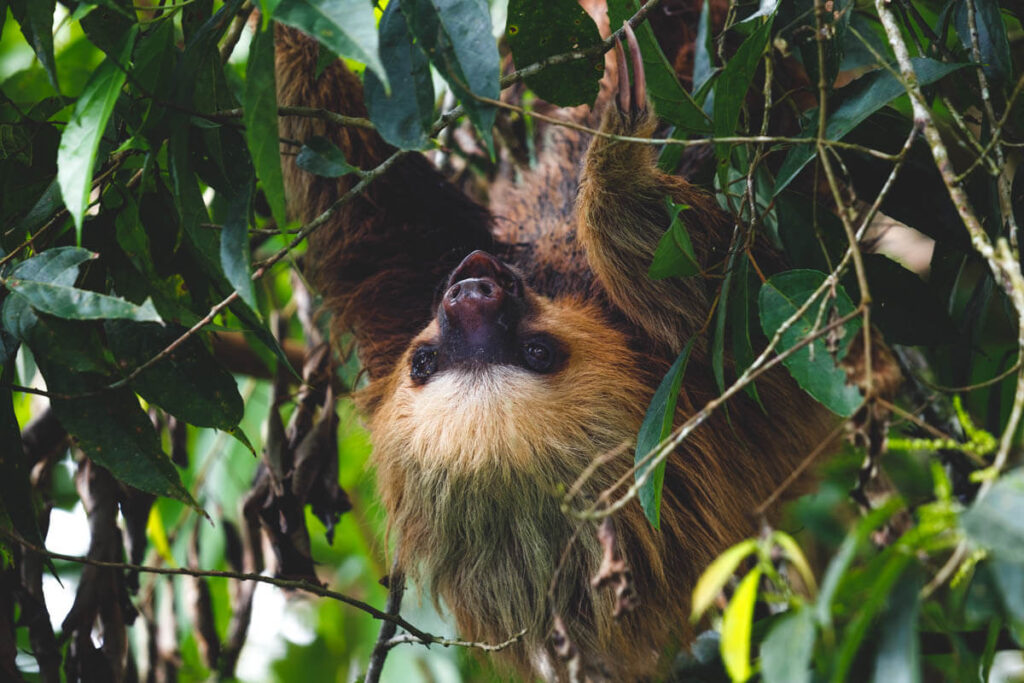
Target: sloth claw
<point>631,100</point>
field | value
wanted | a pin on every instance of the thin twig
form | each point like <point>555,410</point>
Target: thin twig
<point>396,589</point>
<point>307,112</point>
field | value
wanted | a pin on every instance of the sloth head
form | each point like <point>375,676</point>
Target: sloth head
<point>506,377</point>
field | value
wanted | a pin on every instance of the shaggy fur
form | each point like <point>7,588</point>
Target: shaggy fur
<point>471,463</point>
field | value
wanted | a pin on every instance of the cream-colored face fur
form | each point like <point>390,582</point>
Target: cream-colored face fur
<point>504,416</point>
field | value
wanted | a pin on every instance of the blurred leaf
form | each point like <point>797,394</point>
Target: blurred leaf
<point>718,573</point>
<point>538,30</point>
<point>261,122</point>
<point>795,556</point>
<point>1009,579</point>
<point>668,96</point>
<point>731,86</point>
<point>35,19</point>
<point>996,522</point>
<point>674,256</point>
<point>80,141</point>
<point>781,296</point>
<point>79,304</point>
<point>899,651</point>
<point>15,484</point>
<point>456,35</point>
<point>322,157</point>
<point>347,27</point>
<point>862,98</point>
<point>787,649</point>
<point>189,383</point>
<point>404,117</point>
<point>736,624</point>
<point>657,425</point>
<point>992,40</point>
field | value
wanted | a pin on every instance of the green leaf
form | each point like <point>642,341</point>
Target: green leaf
<point>322,157</point>
<point>742,302</point>
<point>235,254</point>
<point>862,98</point>
<point>657,425</point>
<point>404,117</point>
<point>538,30</point>
<point>718,573</point>
<point>79,304</point>
<point>261,122</point>
<point>189,383</point>
<point>456,35</point>
<point>795,556</point>
<point>87,354</point>
<point>80,141</point>
<point>996,522</point>
<point>668,96</point>
<point>731,87</point>
<point>817,374</point>
<point>347,27</point>
<point>15,485</point>
<point>736,625</point>
<point>674,255</point>
<point>787,649</point>
<point>899,651</point>
<point>58,266</point>
<point>35,19</point>
<point>992,39</point>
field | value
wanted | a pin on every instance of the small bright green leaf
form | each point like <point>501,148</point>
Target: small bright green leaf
<point>322,157</point>
<point>862,98</point>
<point>787,649</point>
<point>899,650</point>
<point>796,557</point>
<point>58,266</point>
<point>538,30</point>
<point>189,383</point>
<point>670,99</point>
<point>736,625</point>
<point>456,36</point>
<point>657,425</point>
<point>731,87</point>
<point>261,122</point>
<point>80,141</point>
<point>405,117</point>
<point>674,256</point>
<point>347,27</point>
<point>996,522</point>
<point>781,296</point>
<point>718,573</point>
<point>80,304</point>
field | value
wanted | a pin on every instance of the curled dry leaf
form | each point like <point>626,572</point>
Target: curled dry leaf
<point>615,572</point>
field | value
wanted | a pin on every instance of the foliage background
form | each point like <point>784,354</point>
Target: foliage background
<point>141,182</point>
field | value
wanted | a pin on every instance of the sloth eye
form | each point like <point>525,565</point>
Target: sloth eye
<point>424,364</point>
<point>538,355</point>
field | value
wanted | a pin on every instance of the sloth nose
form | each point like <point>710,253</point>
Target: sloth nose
<point>474,301</point>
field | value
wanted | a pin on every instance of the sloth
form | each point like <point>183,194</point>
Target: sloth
<point>509,348</point>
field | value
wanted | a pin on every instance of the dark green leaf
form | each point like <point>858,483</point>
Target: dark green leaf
<point>787,649</point>
<point>656,426</point>
<point>742,303</point>
<point>456,35</point>
<point>347,27</point>
<point>403,118</point>
<point>35,19</point>
<point>235,256</point>
<point>322,157</point>
<point>188,383</point>
<point>817,374</point>
<point>87,354</point>
<point>863,98</point>
<point>80,141</point>
<point>58,266</point>
<point>992,40</point>
<point>538,30</point>
<point>899,651</point>
<point>15,485</point>
<point>261,122</point>
<point>732,84</point>
<point>1009,578</point>
<point>79,304</point>
<point>996,522</point>
<point>670,99</point>
<point>674,256</point>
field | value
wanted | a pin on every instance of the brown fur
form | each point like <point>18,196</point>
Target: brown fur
<point>470,463</point>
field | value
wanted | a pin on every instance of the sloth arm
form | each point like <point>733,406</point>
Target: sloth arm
<point>379,258</point>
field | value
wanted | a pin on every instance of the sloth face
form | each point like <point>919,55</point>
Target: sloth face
<point>506,377</point>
